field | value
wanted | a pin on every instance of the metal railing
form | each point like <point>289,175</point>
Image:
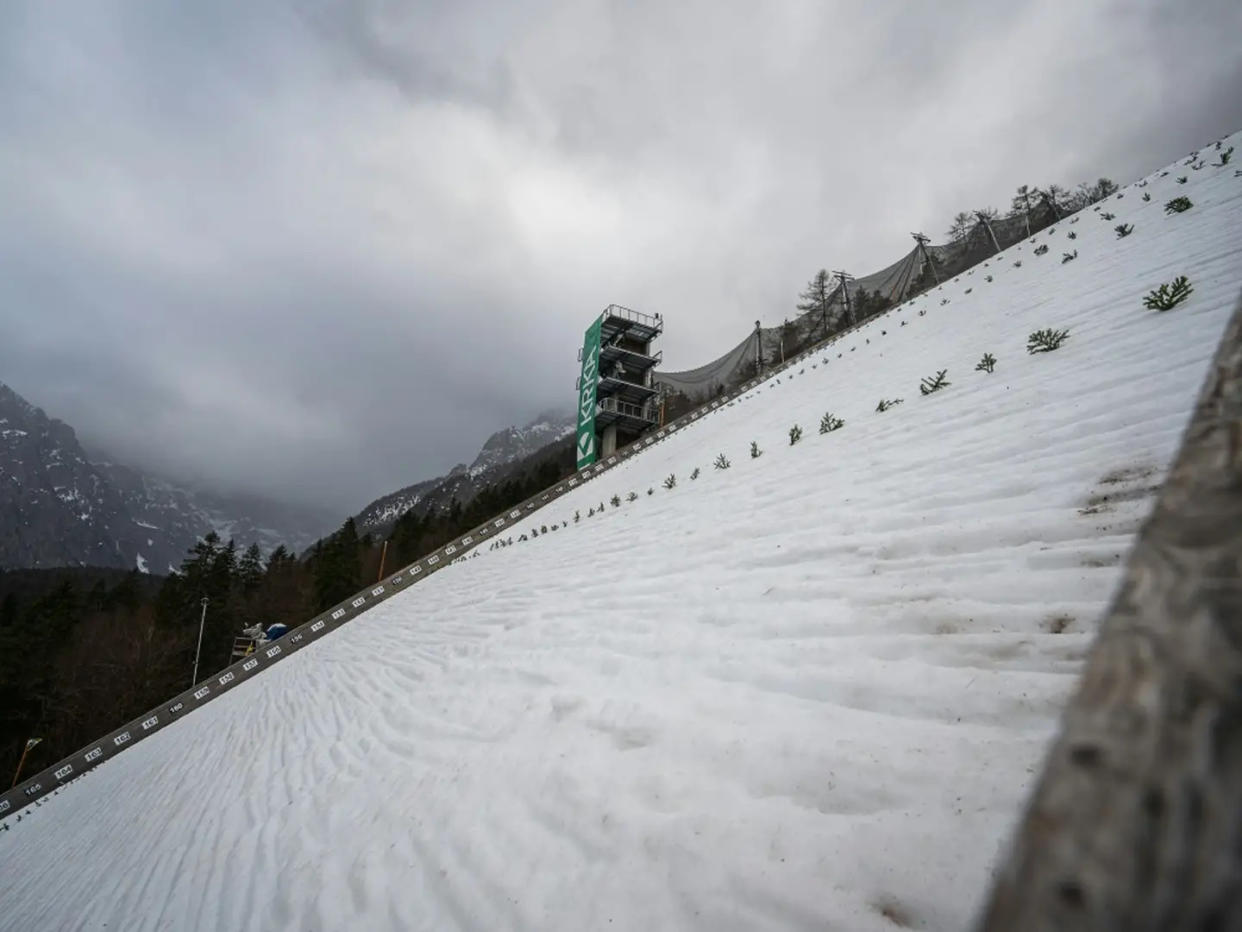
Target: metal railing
<point>615,406</point>
<point>638,317</point>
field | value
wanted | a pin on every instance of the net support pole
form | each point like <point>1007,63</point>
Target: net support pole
<point>922,240</point>
<point>988,226</point>
<point>842,278</point>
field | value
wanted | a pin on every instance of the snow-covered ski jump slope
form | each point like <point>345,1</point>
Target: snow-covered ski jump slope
<point>808,691</point>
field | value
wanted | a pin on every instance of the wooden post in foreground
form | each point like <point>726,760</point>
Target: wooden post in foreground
<point>1136,823</point>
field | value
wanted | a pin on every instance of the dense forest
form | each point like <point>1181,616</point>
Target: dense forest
<point>83,650</point>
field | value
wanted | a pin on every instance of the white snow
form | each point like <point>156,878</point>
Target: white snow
<point>809,691</point>
<point>149,527</point>
<point>141,563</point>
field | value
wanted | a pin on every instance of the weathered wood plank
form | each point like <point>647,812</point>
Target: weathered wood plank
<point>1136,823</point>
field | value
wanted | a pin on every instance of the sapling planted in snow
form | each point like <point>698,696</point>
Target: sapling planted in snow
<point>755,452</point>
<point>886,403</point>
<point>1169,295</point>
<point>632,497</point>
<point>1224,158</point>
<point>1069,256</point>
<point>1046,340</point>
<point>828,423</point>
<point>1181,179</point>
<point>931,384</point>
<point>1072,235</point>
<point>694,475</point>
<point>671,481</point>
<point>1178,205</point>
<point>1041,249</point>
<point>795,434</point>
<point>616,501</point>
<point>986,364</point>
<point>1146,196</point>
<point>1123,230</point>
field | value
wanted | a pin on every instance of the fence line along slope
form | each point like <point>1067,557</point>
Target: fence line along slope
<point>807,690</point>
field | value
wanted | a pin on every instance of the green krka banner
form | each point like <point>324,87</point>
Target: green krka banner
<point>588,381</point>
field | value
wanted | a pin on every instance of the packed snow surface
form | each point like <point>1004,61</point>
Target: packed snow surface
<point>808,691</point>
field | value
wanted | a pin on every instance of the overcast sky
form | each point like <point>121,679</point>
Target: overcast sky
<point>319,250</point>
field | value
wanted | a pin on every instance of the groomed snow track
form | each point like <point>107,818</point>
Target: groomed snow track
<point>926,578</point>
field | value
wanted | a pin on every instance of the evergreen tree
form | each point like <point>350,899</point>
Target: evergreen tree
<point>337,570</point>
<point>1021,205</point>
<point>963,223</point>
<point>815,299</point>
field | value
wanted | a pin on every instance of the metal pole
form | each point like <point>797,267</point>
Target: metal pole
<point>21,763</point>
<point>843,277</point>
<point>922,241</point>
<point>988,226</point>
<point>758,350</point>
<point>383,557</point>
<point>201,621</point>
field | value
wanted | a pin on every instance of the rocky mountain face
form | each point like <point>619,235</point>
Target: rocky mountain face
<point>58,508</point>
<point>503,452</point>
<point>516,443</point>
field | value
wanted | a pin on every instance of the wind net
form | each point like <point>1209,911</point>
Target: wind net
<point>917,271</point>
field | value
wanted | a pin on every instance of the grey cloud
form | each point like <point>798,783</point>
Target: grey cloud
<point>318,250</point>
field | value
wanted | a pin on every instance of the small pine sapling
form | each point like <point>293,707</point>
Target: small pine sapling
<point>987,278</point>
<point>969,290</point>
<point>1181,179</point>
<point>694,475</point>
<point>1146,195</point>
<point>1018,264</point>
<point>1224,158</point>
<point>1069,256</point>
<point>543,529</point>
<point>828,423</point>
<point>1107,216</point>
<point>591,513</point>
<point>616,501</point>
<point>755,452</point>
<point>1178,205</point>
<point>931,384</point>
<point>670,481</point>
<point>1040,250</point>
<point>632,497</point>
<point>886,403</point>
<point>795,434</point>
<point>1072,235</point>
<point>1123,230</point>
<point>1169,295</point>
<point>722,462</point>
<point>577,516</point>
<point>986,364</point>
<point>1046,340</point>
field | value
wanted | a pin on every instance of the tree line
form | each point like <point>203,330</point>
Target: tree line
<point>1037,208</point>
<point>84,650</point>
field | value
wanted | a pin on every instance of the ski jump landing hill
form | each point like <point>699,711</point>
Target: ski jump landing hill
<point>811,689</point>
